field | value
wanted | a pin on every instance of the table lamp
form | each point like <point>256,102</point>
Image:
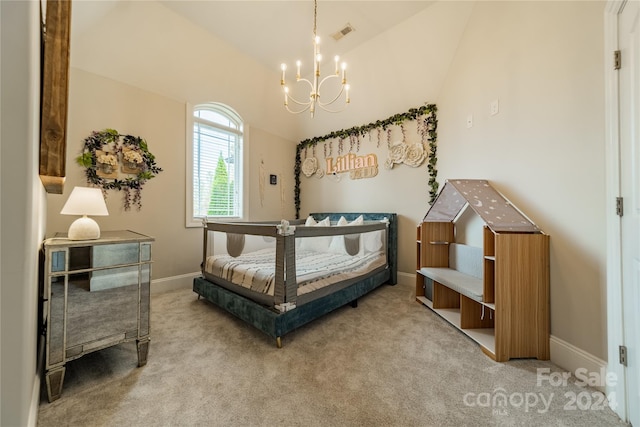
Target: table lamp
<point>85,201</point>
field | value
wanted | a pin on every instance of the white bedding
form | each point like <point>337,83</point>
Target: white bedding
<point>314,270</point>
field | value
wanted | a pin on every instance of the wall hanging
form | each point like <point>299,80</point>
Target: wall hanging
<point>113,161</point>
<point>366,166</point>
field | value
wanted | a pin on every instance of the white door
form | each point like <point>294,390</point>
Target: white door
<point>629,95</point>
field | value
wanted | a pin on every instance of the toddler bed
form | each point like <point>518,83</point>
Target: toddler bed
<point>278,276</point>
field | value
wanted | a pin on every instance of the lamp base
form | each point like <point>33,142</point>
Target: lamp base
<point>84,228</point>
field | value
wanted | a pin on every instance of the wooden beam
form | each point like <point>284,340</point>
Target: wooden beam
<point>55,94</point>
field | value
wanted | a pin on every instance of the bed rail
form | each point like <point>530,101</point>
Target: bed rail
<point>262,314</point>
<point>286,286</point>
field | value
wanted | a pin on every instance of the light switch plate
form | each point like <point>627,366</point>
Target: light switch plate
<point>495,107</point>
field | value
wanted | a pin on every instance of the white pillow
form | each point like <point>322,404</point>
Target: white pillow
<point>317,244</point>
<point>373,241</point>
<point>337,242</point>
<point>310,221</point>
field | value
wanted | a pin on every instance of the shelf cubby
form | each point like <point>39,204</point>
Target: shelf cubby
<point>510,319</point>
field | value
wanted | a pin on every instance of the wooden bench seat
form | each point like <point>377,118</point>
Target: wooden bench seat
<point>464,274</point>
<point>462,283</point>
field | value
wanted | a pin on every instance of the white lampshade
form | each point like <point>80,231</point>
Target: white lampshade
<point>85,201</point>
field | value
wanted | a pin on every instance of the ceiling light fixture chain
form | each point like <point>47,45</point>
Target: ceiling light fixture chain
<point>315,19</point>
<point>315,86</point>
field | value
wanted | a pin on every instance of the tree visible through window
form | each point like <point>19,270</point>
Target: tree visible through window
<point>222,194</point>
<point>217,162</point>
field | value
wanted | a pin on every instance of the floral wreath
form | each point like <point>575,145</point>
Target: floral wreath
<point>100,155</point>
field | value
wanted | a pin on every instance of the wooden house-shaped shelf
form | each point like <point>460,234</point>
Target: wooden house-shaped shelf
<point>498,295</point>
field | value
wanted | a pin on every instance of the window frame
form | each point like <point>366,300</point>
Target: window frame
<point>191,219</point>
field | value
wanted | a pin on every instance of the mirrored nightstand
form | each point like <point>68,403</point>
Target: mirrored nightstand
<point>95,295</point>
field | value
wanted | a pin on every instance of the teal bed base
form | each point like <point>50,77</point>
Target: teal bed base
<point>275,323</point>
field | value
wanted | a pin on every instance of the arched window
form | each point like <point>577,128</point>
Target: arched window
<point>214,164</point>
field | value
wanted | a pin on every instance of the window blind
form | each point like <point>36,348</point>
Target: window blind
<point>216,165</point>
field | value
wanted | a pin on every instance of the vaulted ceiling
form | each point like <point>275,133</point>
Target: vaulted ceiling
<point>231,51</point>
<point>273,32</point>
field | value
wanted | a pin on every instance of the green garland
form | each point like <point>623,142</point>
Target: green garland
<point>431,125</point>
<point>132,185</point>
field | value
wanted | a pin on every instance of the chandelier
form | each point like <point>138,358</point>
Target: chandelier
<point>315,86</point>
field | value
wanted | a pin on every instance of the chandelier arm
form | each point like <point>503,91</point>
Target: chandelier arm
<point>335,98</point>
<point>306,81</point>
<point>329,110</point>
<point>330,76</point>
<point>297,112</point>
<point>291,98</point>
<point>324,104</point>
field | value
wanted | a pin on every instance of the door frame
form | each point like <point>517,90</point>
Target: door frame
<point>615,324</point>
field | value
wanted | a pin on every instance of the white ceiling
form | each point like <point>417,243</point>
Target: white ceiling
<point>273,32</point>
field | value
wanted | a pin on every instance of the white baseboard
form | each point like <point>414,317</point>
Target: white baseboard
<point>406,279</point>
<point>183,281</point>
<point>565,355</point>
<point>35,403</point>
<point>572,358</point>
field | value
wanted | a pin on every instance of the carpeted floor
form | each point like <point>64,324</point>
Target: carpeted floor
<point>388,362</point>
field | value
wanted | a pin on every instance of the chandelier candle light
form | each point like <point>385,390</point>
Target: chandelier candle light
<point>316,85</point>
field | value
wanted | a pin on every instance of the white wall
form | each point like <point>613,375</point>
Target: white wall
<point>96,103</point>
<point>400,69</point>
<point>273,156</point>
<point>22,210</point>
<point>146,45</point>
<point>156,63</point>
<point>545,148</point>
